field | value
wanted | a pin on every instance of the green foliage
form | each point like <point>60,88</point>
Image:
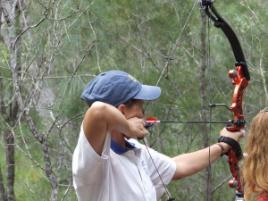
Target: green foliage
<point>158,42</point>
<point>67,102</point>
<point>31,183</point>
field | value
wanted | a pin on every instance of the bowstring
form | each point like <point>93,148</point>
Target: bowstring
<point>171,55</point>
<point>158,173</point>
<point>209,169</point>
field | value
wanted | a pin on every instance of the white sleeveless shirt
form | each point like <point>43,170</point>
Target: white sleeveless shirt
<point>119,175</point>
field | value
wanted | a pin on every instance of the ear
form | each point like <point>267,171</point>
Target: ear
<point>122,108</point>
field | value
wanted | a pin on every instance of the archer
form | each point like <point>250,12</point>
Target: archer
<point>109,164</point>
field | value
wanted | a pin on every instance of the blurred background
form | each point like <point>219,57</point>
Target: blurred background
<point>50,49</point>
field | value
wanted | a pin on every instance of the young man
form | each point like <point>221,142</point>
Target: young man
<point>108,163</point>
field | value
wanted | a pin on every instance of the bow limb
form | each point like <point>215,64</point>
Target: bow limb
<point>219,22</point>
<point>240,77</point>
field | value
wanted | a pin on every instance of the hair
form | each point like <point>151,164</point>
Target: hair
<point>130,102</point>
<point>255,167</point>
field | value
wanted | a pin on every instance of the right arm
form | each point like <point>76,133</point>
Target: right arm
<point>102,118</point>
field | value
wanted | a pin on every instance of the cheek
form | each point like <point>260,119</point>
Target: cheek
<point>140,113</point>
<point>134,112</point>
<point>129,113</point>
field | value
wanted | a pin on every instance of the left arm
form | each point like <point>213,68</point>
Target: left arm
<point>191,163</point>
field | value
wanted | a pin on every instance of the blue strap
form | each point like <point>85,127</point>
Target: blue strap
<point>119,149</point>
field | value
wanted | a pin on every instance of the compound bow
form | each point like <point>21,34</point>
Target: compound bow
<point>240,78</point>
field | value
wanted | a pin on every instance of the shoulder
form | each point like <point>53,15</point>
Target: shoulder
<point>96,108</point>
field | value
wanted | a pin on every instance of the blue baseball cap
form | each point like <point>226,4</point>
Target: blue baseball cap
<point>116,87</point>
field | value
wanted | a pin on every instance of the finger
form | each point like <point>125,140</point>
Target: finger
<point>243,131</point>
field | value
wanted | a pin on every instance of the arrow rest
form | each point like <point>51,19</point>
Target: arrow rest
<point>150,122</point>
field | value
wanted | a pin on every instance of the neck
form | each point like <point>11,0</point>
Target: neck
<point>118,138</point>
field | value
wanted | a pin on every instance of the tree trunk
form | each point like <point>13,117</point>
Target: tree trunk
<point>10,161</point>
<point>3,195</point>
<point>11,15</point>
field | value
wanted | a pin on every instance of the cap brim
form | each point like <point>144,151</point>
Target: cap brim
<point>148,93</point>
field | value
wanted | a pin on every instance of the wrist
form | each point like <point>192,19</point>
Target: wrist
<point>233,144</point>
<point>224,147</point>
